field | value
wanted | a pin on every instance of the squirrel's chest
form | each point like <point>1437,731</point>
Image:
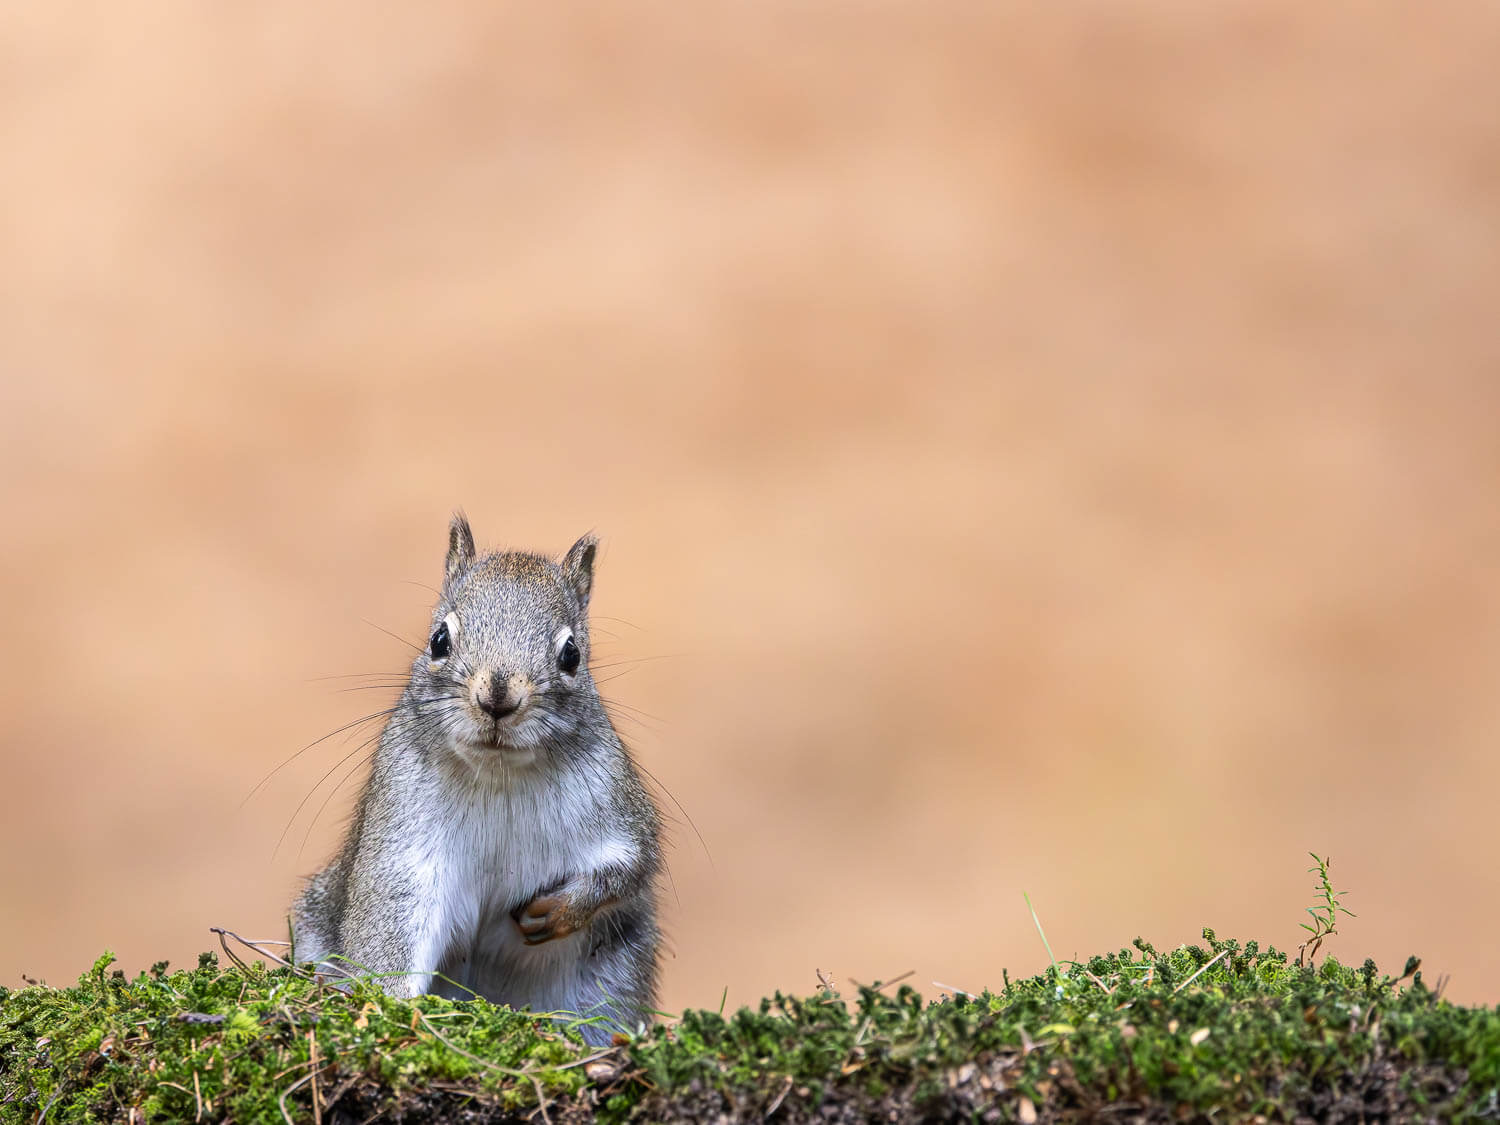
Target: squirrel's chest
<point>494,851</point>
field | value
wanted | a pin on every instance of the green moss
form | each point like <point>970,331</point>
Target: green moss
<point>1222,1029</point>
<point>230,1042</point>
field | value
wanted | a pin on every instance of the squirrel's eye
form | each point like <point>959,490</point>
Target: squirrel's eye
<point>438,646</point>
<point>568,656</point>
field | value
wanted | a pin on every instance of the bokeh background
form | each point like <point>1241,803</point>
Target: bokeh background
<point>1046,448</point>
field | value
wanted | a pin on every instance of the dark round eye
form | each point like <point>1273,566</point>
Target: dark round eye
<point>439,643</point>
<point>568,656</point>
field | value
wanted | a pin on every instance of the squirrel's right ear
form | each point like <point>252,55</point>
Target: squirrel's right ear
<point>460,547</point>
<point>578,566</point>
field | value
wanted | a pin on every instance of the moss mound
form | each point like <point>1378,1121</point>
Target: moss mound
<point>1220,1032</point>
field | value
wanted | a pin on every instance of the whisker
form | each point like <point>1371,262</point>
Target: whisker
<point>306,836</point>
<point>639,725</point>
<point>385,712</point>
<point>628,707</point>
<point>350,676</point>
<point>616,676</point>
<point>303,803</point>
<point>638,660</point>
<point>686,816</point>
<point>620,620</point>
<point>363,745</point>
<point>393,636</point>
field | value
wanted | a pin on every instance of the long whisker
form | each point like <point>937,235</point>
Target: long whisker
<point>385,712</point>
<point>640,725</point>
<point>306,836</point>
<point>637,660</point>
<point>350,676</point>
<point>616,676</point>
<point>363,745</point>
<point>621,620</point>
<point>628,707</point>
<point>302,804</point>
<point>686,816</point>
<point>393,636</point>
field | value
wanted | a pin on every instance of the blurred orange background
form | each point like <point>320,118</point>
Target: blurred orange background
<point>1037,448</point>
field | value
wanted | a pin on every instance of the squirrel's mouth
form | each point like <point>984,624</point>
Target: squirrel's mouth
<point>514,732</point>
<point>486,755</point>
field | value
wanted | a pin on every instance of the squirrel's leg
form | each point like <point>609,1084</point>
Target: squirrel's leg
<point>402,940</point>
<point>567,908</point>
<point>619,980</point>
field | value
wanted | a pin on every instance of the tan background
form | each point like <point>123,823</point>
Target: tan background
<point>1050,448</point>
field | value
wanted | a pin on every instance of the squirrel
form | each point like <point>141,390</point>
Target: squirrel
<point>504,844</point>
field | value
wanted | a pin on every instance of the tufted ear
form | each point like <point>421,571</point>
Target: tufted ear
<point>578,567</point>
<point>460,547</point>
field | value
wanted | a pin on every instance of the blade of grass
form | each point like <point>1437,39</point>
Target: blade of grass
<point>1045,943</point>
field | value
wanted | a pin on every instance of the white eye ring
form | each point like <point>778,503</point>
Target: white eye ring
<point>565,652</point>
<point>448,624</point>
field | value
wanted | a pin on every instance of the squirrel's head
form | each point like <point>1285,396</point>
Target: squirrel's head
<point>505,669</point>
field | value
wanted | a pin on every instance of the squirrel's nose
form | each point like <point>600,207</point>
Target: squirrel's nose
<point>494,696</point>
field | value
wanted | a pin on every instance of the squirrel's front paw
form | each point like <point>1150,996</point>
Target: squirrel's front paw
<point>548,916</point>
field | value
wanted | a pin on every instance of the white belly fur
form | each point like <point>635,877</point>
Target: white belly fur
<point>489,852</point>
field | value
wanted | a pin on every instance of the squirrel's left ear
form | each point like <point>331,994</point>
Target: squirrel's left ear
<point>578,567</point>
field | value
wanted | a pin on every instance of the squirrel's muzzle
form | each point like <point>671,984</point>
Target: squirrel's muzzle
<point>499,695</point>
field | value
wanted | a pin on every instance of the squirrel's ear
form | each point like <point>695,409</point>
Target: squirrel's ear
<point>578,567</point>
<point>460,547</point>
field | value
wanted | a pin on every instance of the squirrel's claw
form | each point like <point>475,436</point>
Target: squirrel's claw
<point>544,918</point>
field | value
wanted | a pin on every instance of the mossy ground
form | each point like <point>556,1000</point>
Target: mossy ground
<point>1218,1032</point>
